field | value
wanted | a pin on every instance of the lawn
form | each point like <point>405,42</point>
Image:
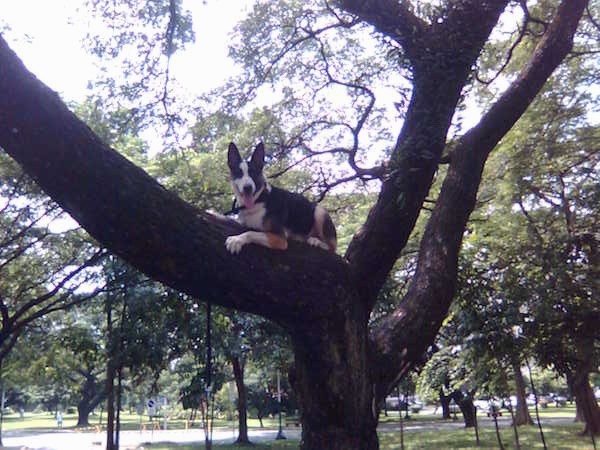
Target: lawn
<point>562,437</point>
<point>557,437</point>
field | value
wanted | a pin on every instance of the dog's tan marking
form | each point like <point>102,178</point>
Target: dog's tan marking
<point>276,241</point>
<point>271,240</point>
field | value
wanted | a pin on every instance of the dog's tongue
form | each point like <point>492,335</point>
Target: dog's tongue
<point>248,201</point>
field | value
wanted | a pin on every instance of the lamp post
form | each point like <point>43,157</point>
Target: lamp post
<point>280,432</point>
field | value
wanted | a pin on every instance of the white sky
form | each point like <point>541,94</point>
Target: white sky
<point>47,36</point>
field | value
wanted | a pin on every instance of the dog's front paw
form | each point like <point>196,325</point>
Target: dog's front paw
<point>235,243</point>
<point>316,242</point>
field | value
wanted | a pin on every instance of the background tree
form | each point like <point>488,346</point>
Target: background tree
<point>44,266</point>
<point>542,194</point>
<point>41,267</point>
<point>324,302</point>
<point>555,191</point>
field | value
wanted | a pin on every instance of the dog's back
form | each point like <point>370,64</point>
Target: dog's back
<point>301,218</point>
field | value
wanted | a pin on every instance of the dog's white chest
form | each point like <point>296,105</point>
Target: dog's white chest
<point>253,218</point>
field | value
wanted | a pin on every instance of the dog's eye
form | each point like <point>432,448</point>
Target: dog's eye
<point>254,172</point>
<point>237,172</point>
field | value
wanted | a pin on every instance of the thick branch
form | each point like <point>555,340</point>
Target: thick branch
<point>433,286</point>
<point>390,18</point>
<point>151,228</point>
<point>375,249</point>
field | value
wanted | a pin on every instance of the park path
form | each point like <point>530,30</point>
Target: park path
<point>74,440</point>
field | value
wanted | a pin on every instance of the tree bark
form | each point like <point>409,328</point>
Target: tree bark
<point>111,373</point>
<point>90,398</point>
<point>467,408</point>
<point>242,405</point>
<point>334,387</point>
<point>522,416</point>
<point>321,299</point>
<point>586,401</point>
<point>445,404</point>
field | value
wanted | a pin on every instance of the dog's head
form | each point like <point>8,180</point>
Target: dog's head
<point>247,177</point>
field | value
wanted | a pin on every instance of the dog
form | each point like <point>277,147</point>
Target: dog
<point>271,213</point>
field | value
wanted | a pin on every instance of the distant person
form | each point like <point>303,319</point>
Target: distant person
<point>59,419</point>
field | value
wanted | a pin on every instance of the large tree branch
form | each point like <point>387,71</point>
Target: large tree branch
<point>375,249</point>
<point>153,229</point>
<point>433,286</point>
<point>391,18</point>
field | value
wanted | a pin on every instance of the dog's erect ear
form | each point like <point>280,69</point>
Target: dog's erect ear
<point>233,157</point>
<point>258,156</point>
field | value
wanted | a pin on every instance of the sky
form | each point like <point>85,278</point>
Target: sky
<point>47,36</point>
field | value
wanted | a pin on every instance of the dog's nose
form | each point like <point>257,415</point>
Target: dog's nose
<point>248,189</point>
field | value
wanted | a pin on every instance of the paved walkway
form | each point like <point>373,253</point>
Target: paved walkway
<point>74,440</point>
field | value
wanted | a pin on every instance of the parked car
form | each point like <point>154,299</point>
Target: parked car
<point>559,400</point>
<point>544,400</point>
<point>494,408</point>
<point>453,407</point>
<point>414,404</point>
<point>481,404</point>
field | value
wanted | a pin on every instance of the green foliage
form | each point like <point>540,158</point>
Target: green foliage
<point>116,128</point>
<point>549,187</point>
<point>526,278</point>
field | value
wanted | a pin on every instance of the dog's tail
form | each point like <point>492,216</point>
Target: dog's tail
<point>325,228</point>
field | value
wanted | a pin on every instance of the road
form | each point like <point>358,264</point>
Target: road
<point>70,439</point>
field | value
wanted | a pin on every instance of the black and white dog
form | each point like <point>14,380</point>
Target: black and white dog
<point>271,213</point>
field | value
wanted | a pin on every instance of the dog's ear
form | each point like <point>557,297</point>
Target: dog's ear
<point>233,157</point>
<point>258,156</point>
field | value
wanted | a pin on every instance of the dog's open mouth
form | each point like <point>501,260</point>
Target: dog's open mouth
<point>248,200</point>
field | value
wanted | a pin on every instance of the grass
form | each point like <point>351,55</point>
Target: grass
<point>275,445</point>
<point>557,436</point>
<point>564,437</point>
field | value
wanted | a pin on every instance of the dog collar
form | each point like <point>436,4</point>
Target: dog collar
<point>236,208</point>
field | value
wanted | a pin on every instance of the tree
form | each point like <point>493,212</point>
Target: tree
<point>324,301</point>
<point>42,270</point>
<point>559,203</point>
<point>82,361</point>
<point>543,281</point>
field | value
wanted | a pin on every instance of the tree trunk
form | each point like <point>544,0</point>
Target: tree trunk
<point>579,417</point>
<point>445,403</point>
<point>83,415</point>
<point>110,377</point>
<point>242,405</point>
<point>1,401</point>
<point>336,399</point>
<point>522,416</point>
<point>90,398</point>
<point>467,408</point>
<point>586,401</point>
